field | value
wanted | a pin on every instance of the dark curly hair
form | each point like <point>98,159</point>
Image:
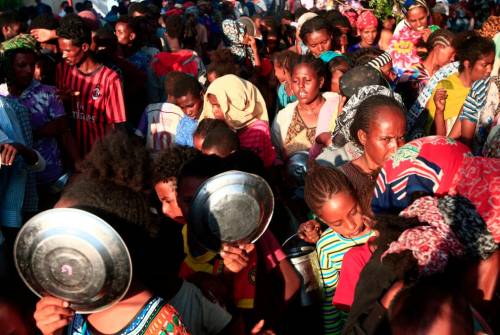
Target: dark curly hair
<point>316,64</point>
<point>120,159</point>
<point>207,125</point>
<point>174,26</point>
<point>138,7</point>
<point>368,111</point>
<point>169,162</point>
<point>73,27</point>
<point>471,47</point>
<point>45,21</point>
<point>185,85</point>
<point>222,140</point>
<point>171,80</point>
<point>315,24</point>
<point>389,227</point>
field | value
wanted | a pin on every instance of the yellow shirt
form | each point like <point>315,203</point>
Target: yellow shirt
<point>457,93</point>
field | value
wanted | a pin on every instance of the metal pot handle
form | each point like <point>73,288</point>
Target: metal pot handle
<point>288,240</point>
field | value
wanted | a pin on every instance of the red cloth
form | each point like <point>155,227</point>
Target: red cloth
<point>165,62</point>
<point>479,181</point>
<point>257,138</point>
<point>243,281</point>
<point>99,103</point>
<point>365,20</point>
<point>354,261</point>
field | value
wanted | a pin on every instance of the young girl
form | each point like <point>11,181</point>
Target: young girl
<point>239,103</point>
<point>283,62</point>
<point>476,55</point>
<point>440,53</point>
<point>316,33</point>
<point>298,126</point>
<point>333,200</point>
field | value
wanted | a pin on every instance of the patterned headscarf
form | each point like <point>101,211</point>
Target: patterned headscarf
<point>21,41</point>
<point>341,135</point>
<point>455,229</point>
<point>431,245</point>
<point>365,20</point>
<point>427,165</point>
<point>234,31</point>
<point>408,5</point>
<point>440,166</point>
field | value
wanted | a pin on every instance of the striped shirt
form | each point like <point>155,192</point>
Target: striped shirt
<point>97,102</point>
<point>331,249</point>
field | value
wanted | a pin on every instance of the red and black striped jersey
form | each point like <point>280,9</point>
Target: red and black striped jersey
<point>97,102</point>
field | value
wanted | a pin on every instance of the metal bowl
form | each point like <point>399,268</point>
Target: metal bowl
<point>232,207</point>
<point>296,167</point>
<point>249,25</point>
<point>75,256</point>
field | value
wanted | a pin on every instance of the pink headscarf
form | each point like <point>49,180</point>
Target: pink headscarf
<point>352,16</point>
<point>432,245</point>
<point>365,20</point>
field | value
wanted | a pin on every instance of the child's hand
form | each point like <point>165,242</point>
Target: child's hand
<point>258,329</point>
<point>236,258</point>
<point>52,314</point>
<point>310,231</point>
<point>440,99</point>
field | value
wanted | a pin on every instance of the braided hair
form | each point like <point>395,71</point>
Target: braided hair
<point>321,183</point>
<point>368,111</point>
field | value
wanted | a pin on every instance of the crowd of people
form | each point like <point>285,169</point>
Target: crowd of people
<point>394,105</point>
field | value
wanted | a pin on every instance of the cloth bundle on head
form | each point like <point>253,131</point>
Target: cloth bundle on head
<point>240,101</point>
<point>21,41</point>
<point>455,229</point>
<point>427,165</point>
<point>186,61</point>
<point>366,19</point>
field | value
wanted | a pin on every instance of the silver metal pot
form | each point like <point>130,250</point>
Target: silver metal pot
<point>75,256</point>
<point>231,207</point>
<point>305,261</point>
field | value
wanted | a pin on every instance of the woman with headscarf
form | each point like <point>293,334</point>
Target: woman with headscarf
<point>240,104</point>
<point>409,36</point>
<point>367,25</point>
<point>242,45</point>
<point>437,165</point>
